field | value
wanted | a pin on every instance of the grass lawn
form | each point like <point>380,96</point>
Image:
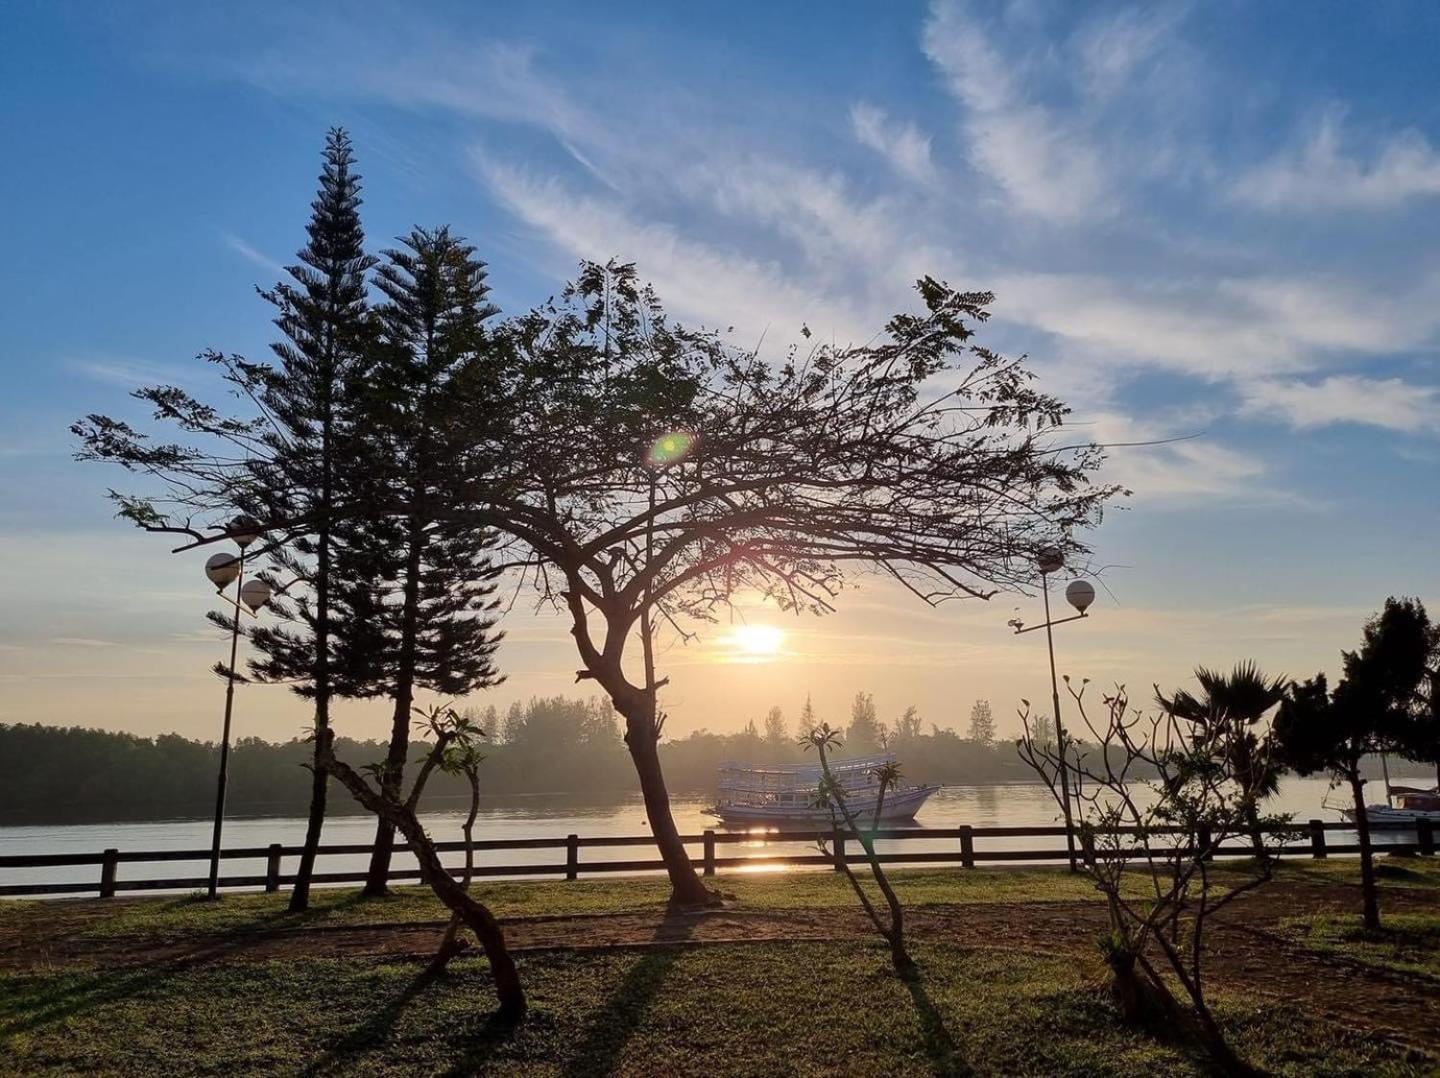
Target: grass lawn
<point>1405,943</point>
<point>171,917</point>
<point>722,1008</point>
<point>732,1009</point>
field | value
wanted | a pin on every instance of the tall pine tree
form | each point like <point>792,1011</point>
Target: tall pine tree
<point>306,479</point>
<point>416,587</point>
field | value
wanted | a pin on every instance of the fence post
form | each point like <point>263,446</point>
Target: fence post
<point>840,852</point>
<point>709,853</point>
<point>108,869</point>
<point>272,868</point>
<point>1202,841</point>
<point>1425,837</point>
<point>1317,839</point>
<point>572,856</point>
<point>967,846</point>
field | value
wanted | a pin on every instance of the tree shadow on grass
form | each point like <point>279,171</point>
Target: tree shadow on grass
<point>71,994</point>
<point>351,1049</point>
<point>944,1053</point>
<point>620,1016</point>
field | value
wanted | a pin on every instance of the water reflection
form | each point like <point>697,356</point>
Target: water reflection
<point>551,816</point>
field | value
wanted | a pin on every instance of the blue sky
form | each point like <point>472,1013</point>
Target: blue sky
<point>1212,219</point>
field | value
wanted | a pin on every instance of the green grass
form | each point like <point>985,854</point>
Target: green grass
<point>177,917</point>
<point>1405,942</point>
<point>799,1008</point>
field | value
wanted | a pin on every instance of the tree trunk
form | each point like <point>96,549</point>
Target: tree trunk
<point>509,992</point>
<point>1367,859</point>
<point>404,697</point>
<point>686,889</point>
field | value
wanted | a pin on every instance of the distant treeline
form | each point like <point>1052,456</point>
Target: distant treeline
<point>550,745</point>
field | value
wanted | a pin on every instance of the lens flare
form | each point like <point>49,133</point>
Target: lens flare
<point>670,448</point>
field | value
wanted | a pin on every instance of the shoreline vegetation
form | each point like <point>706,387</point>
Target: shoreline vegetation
<point>568,752</point>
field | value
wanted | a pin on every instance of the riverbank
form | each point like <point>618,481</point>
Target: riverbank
<point>787,978</point>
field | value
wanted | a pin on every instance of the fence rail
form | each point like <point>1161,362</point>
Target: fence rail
<point>1309,839</point>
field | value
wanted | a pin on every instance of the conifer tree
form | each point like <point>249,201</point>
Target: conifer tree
<point>423,579</point>
<point>322,314</point>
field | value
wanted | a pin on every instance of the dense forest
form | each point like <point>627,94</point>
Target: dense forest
<point>548,745</point>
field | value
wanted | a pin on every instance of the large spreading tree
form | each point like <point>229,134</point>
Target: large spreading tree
<point>650,474</point>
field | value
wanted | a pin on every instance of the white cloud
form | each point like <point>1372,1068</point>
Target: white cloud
<point>901,143</point>
<point>1391,403</point>
<point>1044,168</point>
<point>1180,462</point>
<point>1321,175</point>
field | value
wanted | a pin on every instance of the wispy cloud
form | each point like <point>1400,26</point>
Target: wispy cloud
<point>251,254</point>
<point>900,143</point>
<point>82,642</point>
<point>120,371</point>
<point>1321,175</point>
<point>1390,403</point>
<point>1045,168</point>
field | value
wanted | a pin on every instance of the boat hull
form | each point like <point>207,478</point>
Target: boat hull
<point>898,807</point>
<point>1380,814</point>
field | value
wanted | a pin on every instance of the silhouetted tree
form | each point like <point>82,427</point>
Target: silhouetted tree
<point>832,797</point>
<point>775,732</point>
<point>452,734</point>
<point>1240,699</point>
<point>1126,834</point>
<point>1370,710</point>
<point>982,722</point>
<point>863,733</point>
<point>286,467</point>
<point>420,574</point>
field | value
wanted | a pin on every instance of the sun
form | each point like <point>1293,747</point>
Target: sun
<point>756,642</point>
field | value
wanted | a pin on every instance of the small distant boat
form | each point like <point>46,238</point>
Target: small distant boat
<point>783,794</point>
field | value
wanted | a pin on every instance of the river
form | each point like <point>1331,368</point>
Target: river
<point>543,816</point>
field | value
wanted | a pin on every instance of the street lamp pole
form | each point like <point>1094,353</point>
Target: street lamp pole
<point>1080,595</point>
<point>224,569</point>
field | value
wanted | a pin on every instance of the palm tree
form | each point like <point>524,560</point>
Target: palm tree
<point>1229,712</point>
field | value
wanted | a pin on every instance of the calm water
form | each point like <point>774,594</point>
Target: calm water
<point>544,817</point>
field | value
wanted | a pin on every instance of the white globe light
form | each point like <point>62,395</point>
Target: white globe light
<point>1049,559</point>
<point>244,533</point>
<point>255,593</point>
<point>1080,594</point>
<point>222,569</point>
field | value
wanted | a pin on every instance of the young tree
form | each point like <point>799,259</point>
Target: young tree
<point>831,796</point>
<point>1370,710</point>
<point>982,723</point>
<point>907,726</point>
<point>863,733</point>
<point>419,574</point>
<point>1239,700</point>
<point>808,721</point>
<point>454,738</point>
<point>775,731</point>
<point>1165,833</point>
<point>286,467</point>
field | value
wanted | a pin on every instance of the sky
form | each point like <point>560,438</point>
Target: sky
<point>1217,223</point>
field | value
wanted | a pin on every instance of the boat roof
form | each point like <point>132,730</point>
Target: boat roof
<point>852,764</point>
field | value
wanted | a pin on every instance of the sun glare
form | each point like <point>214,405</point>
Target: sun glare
<point>756,642</point>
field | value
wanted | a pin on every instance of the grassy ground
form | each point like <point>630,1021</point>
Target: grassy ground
<point>790,1007</point>
<point>780,1008</point>
<point>1406,943</point>
<point>171,917</point>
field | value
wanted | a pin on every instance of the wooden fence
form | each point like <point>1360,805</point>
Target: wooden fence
<point>1305,840</point>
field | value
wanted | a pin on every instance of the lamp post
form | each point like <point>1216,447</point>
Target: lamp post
<point>1080,594</point>
<point>225,569</point>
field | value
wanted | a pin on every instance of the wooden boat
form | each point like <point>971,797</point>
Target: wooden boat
<point>783,794</point>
